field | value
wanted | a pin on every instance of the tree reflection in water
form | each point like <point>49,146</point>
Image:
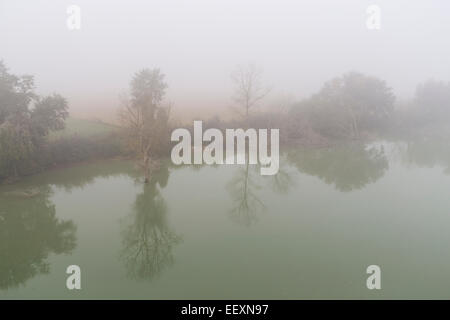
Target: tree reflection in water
<point>242,189</point>
<point>29,232</point>
<point>148,240</point>
<point>428,154</point>
<point>347,167</point>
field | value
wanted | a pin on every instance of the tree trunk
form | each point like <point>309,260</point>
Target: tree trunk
<point>146,164</point>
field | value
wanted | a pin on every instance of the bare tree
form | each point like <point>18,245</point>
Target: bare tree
<point>248,87</point>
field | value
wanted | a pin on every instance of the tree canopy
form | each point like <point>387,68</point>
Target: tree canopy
<point>348,105</point>
<point>144,118</point>
<point>25,121</point>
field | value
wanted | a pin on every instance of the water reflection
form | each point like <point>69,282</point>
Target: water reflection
<point>243,189</point>
<point>80,176</point>
<point>246,203</point>
<point>347,167</point>
<point>282,181</point>
<point>428,154</point>
<point>148,240</point>
<point>29,228</point>
<point>29,232</point>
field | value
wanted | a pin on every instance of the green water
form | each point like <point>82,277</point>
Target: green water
<point>226,232</point>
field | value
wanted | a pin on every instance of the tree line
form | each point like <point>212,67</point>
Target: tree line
<point>351,107</point>
<point>27,119</point>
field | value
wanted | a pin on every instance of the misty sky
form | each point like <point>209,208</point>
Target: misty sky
<point>197,43</point>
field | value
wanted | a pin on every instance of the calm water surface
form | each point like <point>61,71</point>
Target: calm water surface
<point>226,232</point>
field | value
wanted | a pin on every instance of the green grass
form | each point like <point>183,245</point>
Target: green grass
<point>83,128</point>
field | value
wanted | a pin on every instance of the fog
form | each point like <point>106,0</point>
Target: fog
<point>197,43</point>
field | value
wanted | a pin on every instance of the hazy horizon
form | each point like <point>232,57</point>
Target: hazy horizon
<point>197,44</point>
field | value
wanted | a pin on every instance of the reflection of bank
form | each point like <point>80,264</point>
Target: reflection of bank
<point>29,232</point>
<point>29,228</point>
<point>428,154</point>
<point>148,240</point>
<point>347,167</point>
<point>243,188</point>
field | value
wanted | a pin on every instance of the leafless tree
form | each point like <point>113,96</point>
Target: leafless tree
<point>249,90</point>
